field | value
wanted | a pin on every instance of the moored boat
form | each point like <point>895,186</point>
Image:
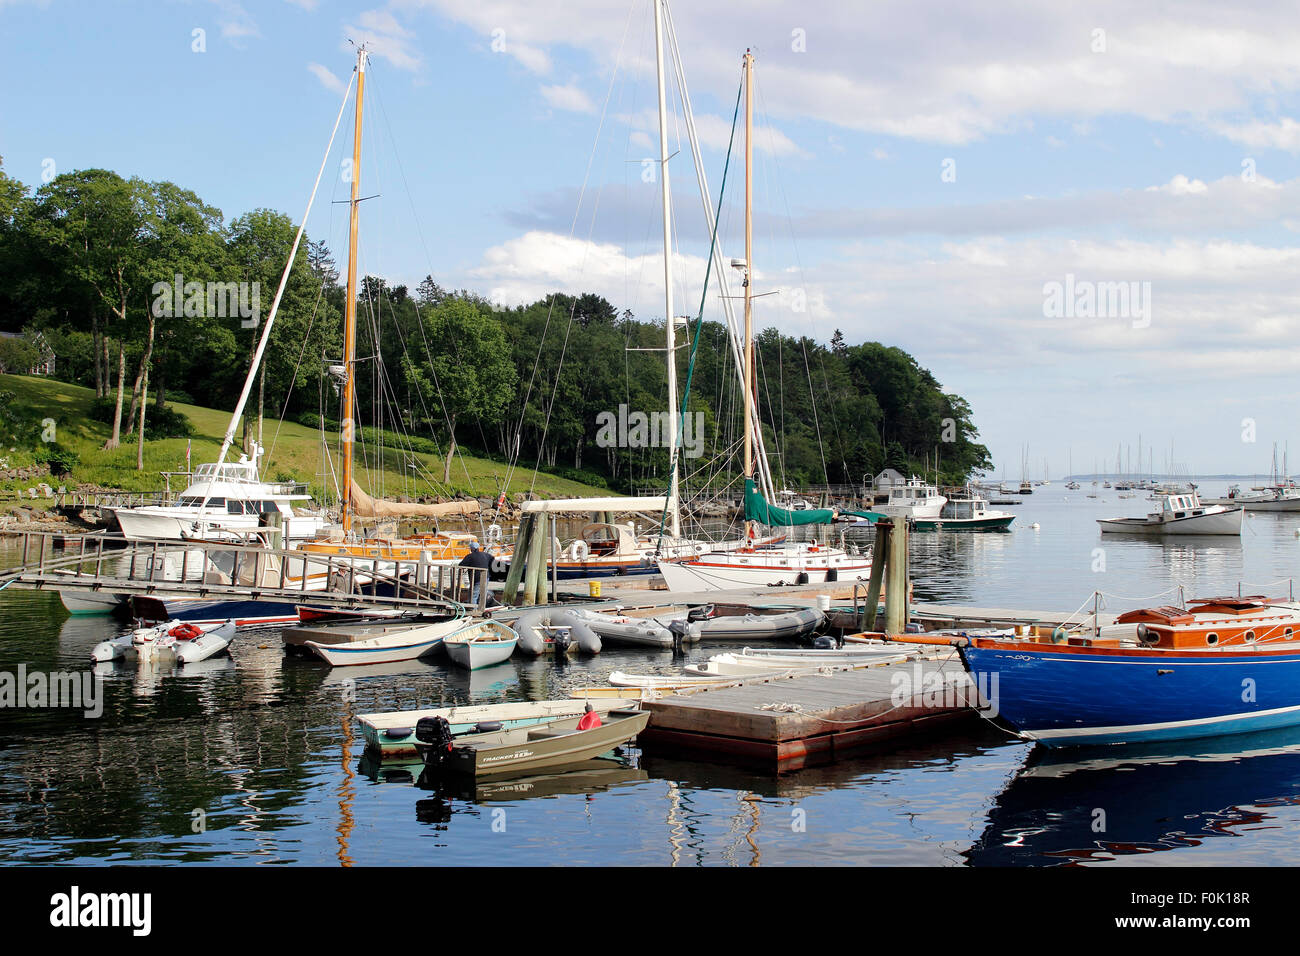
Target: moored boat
<point>392,733</point>
<point>373,642</point>
<point>482,644</point>
<point>1219,666</point>
<point>556,743</point>
<point>969,513</point>
<point>1179,514</point>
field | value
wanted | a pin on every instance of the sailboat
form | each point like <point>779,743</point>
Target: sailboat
<point>751,564</point>
<point>380,553</point>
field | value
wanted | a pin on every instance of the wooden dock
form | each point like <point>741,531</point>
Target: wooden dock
<point>780,724</point>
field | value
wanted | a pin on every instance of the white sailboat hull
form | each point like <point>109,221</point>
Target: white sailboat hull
<point>722,571</point>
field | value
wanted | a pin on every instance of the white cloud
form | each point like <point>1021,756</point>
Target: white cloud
<point>570,97</point>
<point>386,38</point>
<point>924,69</point>
<point>327,78</point>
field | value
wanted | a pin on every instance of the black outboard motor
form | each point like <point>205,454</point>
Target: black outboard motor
<point>824,642</point>
<point>436,732</point>
<point>701,612</point>
<point>679,629</point>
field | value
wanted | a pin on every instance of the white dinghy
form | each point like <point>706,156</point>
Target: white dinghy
<point>481,644</point>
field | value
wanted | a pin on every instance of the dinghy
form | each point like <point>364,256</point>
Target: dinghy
<point>392,734</point>
<point>632,631</point>
<point>661,682</point>
<point>789,624</point>
<point>548,630</point>
<point>556,743</point>
<point>482,644</point>
<point>377,642</point>
<point>186,643</point>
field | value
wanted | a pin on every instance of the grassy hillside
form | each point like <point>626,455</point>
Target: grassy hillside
<point>293,452</point>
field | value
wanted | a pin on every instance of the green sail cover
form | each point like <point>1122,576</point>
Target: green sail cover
<point>758,509</point>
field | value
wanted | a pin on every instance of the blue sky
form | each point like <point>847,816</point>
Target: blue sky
<point>1161,150</point>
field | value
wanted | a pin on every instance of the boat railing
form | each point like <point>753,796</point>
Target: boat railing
<point>222,569</point>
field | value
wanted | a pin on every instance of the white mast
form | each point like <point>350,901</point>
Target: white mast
<point>670,319</point>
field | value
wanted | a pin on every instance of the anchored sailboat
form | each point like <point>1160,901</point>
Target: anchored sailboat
<point>748,564</point>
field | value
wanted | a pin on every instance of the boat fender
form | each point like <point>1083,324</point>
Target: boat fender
<point>832,574</point>
<point>802,578</point>
<point>397,733</point>
<point>578,550</point>
<point>487,726</point>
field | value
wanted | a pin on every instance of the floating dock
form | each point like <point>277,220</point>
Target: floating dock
<point>784,723</point>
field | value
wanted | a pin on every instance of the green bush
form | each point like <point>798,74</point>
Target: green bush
<point>61,460</point>
<point>164,422</point>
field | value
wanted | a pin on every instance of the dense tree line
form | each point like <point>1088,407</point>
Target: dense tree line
<point>118,275</point>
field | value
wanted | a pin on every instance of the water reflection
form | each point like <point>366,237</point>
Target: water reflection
<point>1069,807</point>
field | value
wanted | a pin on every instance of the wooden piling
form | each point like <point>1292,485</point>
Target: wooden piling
<point>879,558</point>
<point>896,580</point>
<point>510,593</point>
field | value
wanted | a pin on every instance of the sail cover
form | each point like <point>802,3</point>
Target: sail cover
<point>757,508</point>
<point>364,506</point>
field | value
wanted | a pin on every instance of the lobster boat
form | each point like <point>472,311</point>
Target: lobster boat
<point>1179,514</point>
<point>1218,666</point>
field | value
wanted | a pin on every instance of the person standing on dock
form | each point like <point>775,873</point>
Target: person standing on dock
<point>477,558</point>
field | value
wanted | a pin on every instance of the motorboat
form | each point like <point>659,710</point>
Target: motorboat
<point>791,563</point>
<point>970,513</point>
<point>176,640</point>
<point>1179,514</point>
<point>225,501</point>
<point>543,746</point>
<point>392,733</point>
<point>914,499</point>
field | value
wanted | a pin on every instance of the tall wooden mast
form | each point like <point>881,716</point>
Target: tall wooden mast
<point>749,271</point>
<point>350,315</point>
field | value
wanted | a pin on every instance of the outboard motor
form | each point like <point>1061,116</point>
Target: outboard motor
<point>701,613</point>
<point>680,630</point>
<point>824,642</point>
<point>436,732</point>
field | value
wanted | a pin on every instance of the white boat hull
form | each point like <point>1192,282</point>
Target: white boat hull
<point>396,643</point>
<point>1212,522</point>
<point>722,572</point>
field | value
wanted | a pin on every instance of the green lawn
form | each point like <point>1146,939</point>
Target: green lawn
<point>293,452</point>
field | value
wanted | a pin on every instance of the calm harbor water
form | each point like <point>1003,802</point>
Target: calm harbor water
<point>258,758</point>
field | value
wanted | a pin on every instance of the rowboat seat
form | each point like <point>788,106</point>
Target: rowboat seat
<point>549,734</point>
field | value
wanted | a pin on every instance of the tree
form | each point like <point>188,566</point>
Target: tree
<point>471,376</point>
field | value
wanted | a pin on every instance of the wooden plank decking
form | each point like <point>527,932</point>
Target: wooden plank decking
<point>782,724</point>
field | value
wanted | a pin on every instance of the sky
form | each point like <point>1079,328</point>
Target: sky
<point>1081,217</point>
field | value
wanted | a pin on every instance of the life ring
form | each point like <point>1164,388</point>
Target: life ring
<point>578,551</point>
<point>493,535</point>
<point>185,632</point>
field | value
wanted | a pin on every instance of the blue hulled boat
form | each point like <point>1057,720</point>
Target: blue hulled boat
<point>1224,666</point>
